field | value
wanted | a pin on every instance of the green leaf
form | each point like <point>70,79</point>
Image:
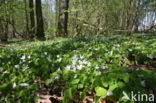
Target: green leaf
<point>82,94</point>
<point>75,81</point>
<point>68,94</point>
<point>105,84</point>
<point>100,92</point>
<point>80,86</point>
<point>5,88</point>
<point>48,81</point>
<point>113,87</point>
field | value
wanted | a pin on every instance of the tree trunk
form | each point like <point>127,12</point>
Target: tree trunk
<point>3,31</point>
<point>56,13</point>
<point>39,17</point>
<point>27,19</point>
<point>32,19</point>
<point>4,25</point>
<point>62,28</point>
<point>13,27</point>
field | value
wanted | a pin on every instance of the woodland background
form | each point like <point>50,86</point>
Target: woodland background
<point>46,19</point>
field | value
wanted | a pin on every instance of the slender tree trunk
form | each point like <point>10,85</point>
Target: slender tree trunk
<point>26,18</point>
<point>62,28</point>
<point>3,30</point>
<point>56,13</point>
<point>13,27</point>
<point>137,17</point>
<point>32,19</point>
<point>4,25</point>
<point>2,33</point>
<point>39,17</point>
<point>6,32</point>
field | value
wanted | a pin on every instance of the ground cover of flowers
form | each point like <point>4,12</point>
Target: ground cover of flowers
<point>81,69</point>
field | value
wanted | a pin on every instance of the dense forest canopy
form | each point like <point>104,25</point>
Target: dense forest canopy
<point>75,17</point>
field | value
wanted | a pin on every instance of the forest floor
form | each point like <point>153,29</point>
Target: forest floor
<point>78,70</point>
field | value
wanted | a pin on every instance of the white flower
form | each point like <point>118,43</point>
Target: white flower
<point>109,93</point>
<point>20,62</point>
<point>6,72</point>
<point>143,83</point>
<point>104,67</point>
<point>45,53</point>
<point>75,57</point>
<point>117,45</point>
<point>74,69</point>
<point>59,59</point>
<point>29,56</point>
<point>111,52</point>
<point>81,56</point>
<point>80,62</point>
<point>14,85</point>
<point>68,67</point>
<point>84,62</point>
<point>58,69</point>
<point>58,56</point>
<point>74,62</point>
<point>99,73</point>
<point>24,60</point>
<point>99,59</point>
<point>76,51</point>
<point>16,66</point>
<point>49,58</point>
<point>96,49</point>
<point>23,57</point>
<point>8,56</point>
<point>89,64</point>
<point>24,84</point>
<point>97,67</point>
<point>26,67</point>
<point>29,61</point>
<point>79,67</point>
<point>138,47</point>
<point>57,76</point>
<point>75,76</point>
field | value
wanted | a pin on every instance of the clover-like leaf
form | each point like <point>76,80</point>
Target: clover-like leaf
<point>101,92</point>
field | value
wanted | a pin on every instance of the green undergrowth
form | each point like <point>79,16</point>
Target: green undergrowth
<point>73,67</point>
